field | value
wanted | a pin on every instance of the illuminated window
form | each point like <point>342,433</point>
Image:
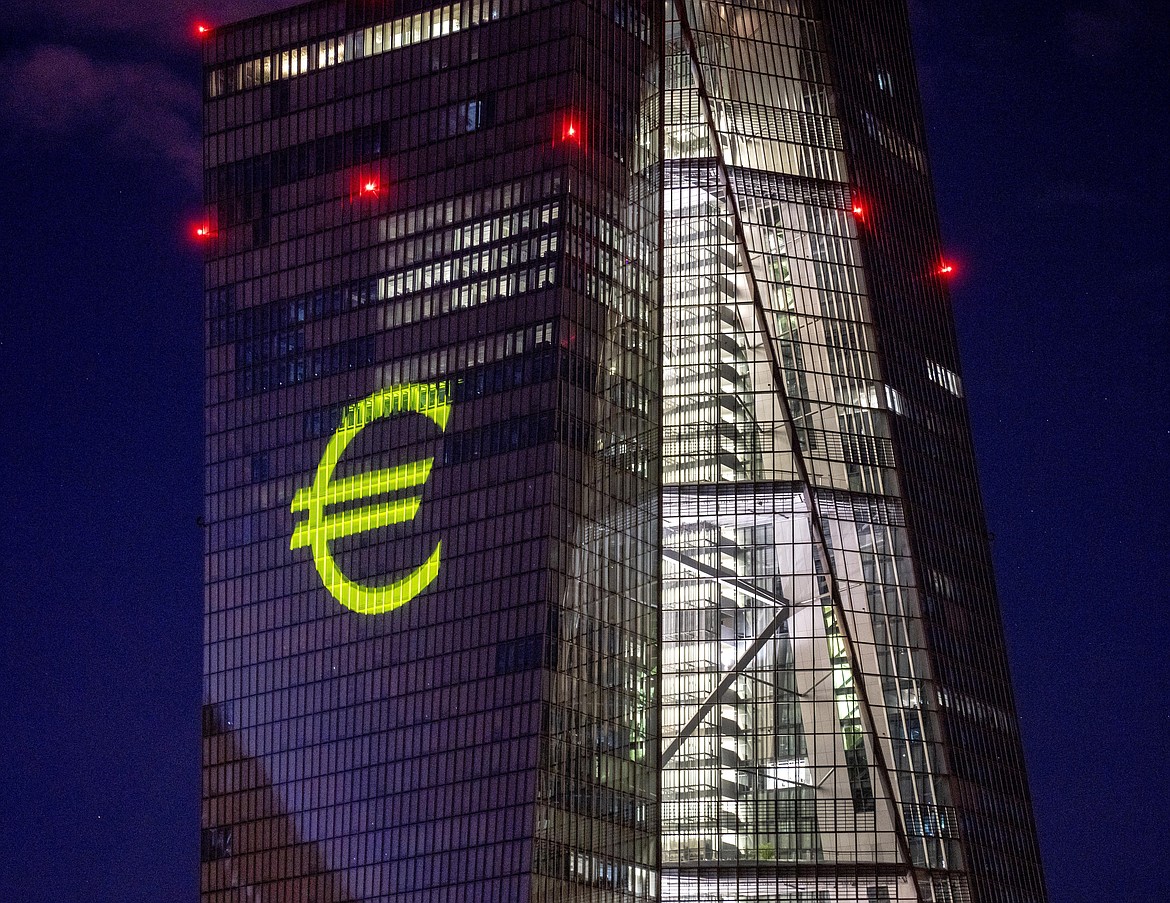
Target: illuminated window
<point>475,115</point>
<point>895,401</point>
<point>401,32</point>
<point>948,379</point>
<point>468,116</point>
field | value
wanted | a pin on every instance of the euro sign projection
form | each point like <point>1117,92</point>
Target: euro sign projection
<point>344,518</point>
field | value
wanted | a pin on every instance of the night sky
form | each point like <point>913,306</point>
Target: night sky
<point>1046,135</point>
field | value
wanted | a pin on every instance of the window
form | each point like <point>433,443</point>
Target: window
<point>215,844</point>
<point>469,116</point>
<point>948,379</point>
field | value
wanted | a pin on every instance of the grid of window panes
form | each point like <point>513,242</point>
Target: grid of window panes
<point>335,50</point>
<point>468,211</point>
<point>596,833</point>
<point>882,131</point>
<point>775,689</point>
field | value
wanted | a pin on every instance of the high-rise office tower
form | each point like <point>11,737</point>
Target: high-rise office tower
<point>591,510</point>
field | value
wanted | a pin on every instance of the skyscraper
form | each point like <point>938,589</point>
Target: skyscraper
<point>591,507</point>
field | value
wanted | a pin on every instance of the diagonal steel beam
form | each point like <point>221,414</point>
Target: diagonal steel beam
<point>816,526</point>
<point>783,609</point>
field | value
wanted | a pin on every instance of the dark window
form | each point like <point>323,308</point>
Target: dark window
<point>215,844</point>
<point>521,654</point>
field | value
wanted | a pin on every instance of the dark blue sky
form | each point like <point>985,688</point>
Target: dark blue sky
<point>1045,128</point>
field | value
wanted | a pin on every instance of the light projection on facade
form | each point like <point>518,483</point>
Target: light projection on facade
<point>715,619</point>
<point>319,529</point>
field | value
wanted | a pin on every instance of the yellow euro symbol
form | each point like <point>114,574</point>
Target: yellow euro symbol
<point>432,400</point>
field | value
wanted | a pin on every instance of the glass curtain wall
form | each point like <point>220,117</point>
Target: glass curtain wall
<point>596,828</point>
<point>432,430</point>
<point>869,52</point>
<point>799,748</point>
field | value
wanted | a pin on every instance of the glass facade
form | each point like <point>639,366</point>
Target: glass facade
<point>591,512</point>
<point>432,466</point>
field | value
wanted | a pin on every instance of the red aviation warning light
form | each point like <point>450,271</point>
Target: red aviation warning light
<point>858,207</point>
<point>570,129</point>
<point>203,232</point>
<point>365,186</point>
<point>202,29</point>
<point>945,268</point>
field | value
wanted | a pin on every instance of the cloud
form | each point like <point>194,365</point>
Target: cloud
<point>108,71</point>
<point>161,22</point>
<point>136,110</point>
